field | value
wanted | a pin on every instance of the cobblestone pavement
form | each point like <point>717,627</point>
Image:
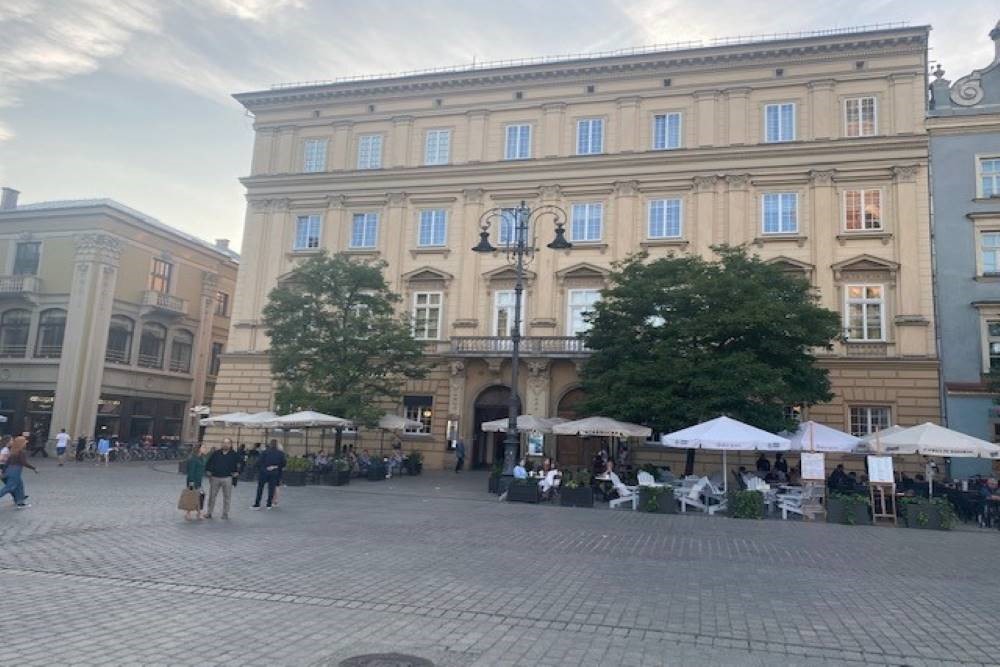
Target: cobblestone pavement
<point>103,570</point>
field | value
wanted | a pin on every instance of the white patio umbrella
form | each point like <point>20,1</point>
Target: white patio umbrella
<point>2,419</point>
<point>725,434</point>
<point>524,423</point>
<point>307,419</point>
<point>254,420</point>
<point>871,442</point>
<point>815,437</point>
<point>227,419</point>
<point>602,427</point>
<point>391,422</point>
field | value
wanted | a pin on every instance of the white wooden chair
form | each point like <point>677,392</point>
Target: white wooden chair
<point>645,479</point>
<point>626,494</point>
<point>807,503</point>
<point>705,497</point>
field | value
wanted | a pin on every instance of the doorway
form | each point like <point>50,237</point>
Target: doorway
<point>491,404</point>
<point>570,449</point>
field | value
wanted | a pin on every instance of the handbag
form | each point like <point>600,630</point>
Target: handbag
<point>189,500</point>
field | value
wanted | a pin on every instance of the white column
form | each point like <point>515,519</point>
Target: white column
<point>202,350</point>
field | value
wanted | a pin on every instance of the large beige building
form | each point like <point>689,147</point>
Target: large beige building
<point>811,150</point>
<point>111,322</point>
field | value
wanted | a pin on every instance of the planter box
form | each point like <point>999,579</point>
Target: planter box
<point>581,497</point>
<point>665,501</point>
<point>924,515</point>
<point>336,478</point>
<point>523,493</point>
<point>839,511</point>
<point>376,473</point>
<point>494,484</point>
<point>294,477</point>
<point>413,467</point>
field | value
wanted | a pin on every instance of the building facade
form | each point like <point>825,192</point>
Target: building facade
<point>111,322</point>
<point>812,151</point>
<point>964,127</point>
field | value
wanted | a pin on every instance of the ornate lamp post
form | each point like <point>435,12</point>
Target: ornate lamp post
<point>520,250</point>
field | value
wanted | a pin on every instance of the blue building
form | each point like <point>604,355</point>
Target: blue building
<point>964,126</point>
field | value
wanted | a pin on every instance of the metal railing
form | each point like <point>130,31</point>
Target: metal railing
<point>116,357</point>
<point>164,301</point>
<point>529,345</point>
<point>13,350</point>
<point>180,366</point>
<point>150,360</point>
<point>49,351</point>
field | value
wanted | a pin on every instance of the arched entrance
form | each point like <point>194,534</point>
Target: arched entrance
<point>571,450</point>
<point>492,403</point>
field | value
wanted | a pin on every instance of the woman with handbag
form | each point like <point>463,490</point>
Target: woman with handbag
<point>192,497</point>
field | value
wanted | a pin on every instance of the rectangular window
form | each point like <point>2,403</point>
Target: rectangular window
<point>307,230</point>
<point>993,344</point>
<point>865,312</point>
<point>666,131</point>
<point>159,279</point>
<point>370,151</point>
<point>580,302</point>
<point>508,226</point>
<point>26,257</point>
<point>421,409</point>
<point>989,177</point>
<point>215,360</point>
<point>427,315</point>
<point>518,142</point>
<point>863,210</point>
<point>867,419</point>
<point>665,219</point>
<point>437,146</point>
<point>433,227</point>
<point>503,313</point>
<point>779,122</point>
<point>989,252</point>
<point>590,136</point>
<point>222,304</point>
<point>364,230</point>
<point>780,212</point>
<point>314,155</point>
<point>586,222</point>
<point>859,113</point>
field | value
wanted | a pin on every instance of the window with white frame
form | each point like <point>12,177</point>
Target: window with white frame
<point>862,210</point>
<point>993,345</point>
<point>507,227</point>
<point>665,219</point>
<point>780,213</point>
<point>867,419</point>
<point>779,122</point>
<point>590,136</point>
<point>437,146</point>
<point>793,412</point>
<point>989,177</point>
<point>314,155</point>
<point>421,409</point>
<point>370,151</point>
<point>864,315</point>
<point>859,116</point>
<point>579,303</point>
<point>666,131</point>
<point>503,312</point>
<point>27,255</point>
<point>427,315</point>
<point>307,231</point>
<point>989,252</point>
<point>432,229</point>
<point>517,145</point>
<point>586,222</point>
<point>364,230</point>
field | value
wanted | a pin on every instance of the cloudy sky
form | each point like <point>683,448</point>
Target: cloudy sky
<point>130,99</point>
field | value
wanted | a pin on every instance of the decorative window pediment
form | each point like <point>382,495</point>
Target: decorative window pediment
<point>583,272</point>
<point>506,273</point>
<point>865,267</point>
<point>427,274</point>
<point>792,265</point>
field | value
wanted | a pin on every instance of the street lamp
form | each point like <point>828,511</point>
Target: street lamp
<point>516,223</point>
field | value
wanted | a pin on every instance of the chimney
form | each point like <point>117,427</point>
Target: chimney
<point>222,244</point>
<point>995,36</point>
<point>8,201</point>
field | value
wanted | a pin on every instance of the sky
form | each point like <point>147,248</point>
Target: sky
<point>131,99</point>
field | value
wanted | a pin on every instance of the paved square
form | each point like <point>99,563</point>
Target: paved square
<point>103,570</point>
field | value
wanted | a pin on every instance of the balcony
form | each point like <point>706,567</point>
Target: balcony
<point>26,287</point>
<point>164,303</point>
<point>537,346</point>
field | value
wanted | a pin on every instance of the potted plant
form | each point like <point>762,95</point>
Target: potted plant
<point>339,475</point>
<point>295,471</point>
<point>575,490</point>
<point>657,499</point>
<point>414,463</point>
<point>746,504</point>
<point>494,482</point>
<point>929,513</point>
<point>852,509</point>
<point>376,471</point>
<point>523,491</point>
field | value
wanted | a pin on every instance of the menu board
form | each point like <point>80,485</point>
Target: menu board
<point>880,469</point>
<point>536,444</point>
<point>813,466</point>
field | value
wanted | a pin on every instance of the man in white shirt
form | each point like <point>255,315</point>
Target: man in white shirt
<point>62,441</point>
<point>4,455</point>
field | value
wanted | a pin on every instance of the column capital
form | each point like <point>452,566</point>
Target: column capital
<point>336,201</point>
<point>705,94</point>
<point>630,101</point>
<point>704,183</point>
<point>209,284</point>
<point>396,198</point>
<point>402,120</point>
<point>342,124</point>
<point>905,173</point>
<point>626,188</point>
<point>552,107</point>
<point>738,181</point>
<point>737,92</point>
<point>478,113</point>
<point>473,195</point>
<point>822,84</point>
<point>822,177</point>
<point>104,248</point>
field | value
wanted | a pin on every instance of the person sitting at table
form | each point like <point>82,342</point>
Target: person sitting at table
<point>794,475</point>
<point>780,463</point>
<point>599,465</point>
<point>838,480</point>
<point>666,475</point>
<point>520,472</point>
<point>394,464</point>
<point>364,462</point>
<point>763,465</point>
<point>550,480</point>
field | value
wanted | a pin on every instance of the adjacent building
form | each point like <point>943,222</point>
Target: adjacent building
<point>111,322</point>
<point>811,150</point>
<point>964,126</point>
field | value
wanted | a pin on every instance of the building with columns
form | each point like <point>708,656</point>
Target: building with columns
<point>111,322</point>
<point>811,150</point>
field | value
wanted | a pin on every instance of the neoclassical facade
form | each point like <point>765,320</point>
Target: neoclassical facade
<point>812,151</point>
<point>111,322</point>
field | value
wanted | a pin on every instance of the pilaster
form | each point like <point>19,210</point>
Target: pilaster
<point>825,216</point>
<point>402,127</point>
<point>911,339</point>
<point>263,151</point>
<point>628,125</point>
<point>705,122</point>
<point>456,394</point>
<point>202,349</point>
<point>341,158</point>
<point>903,108</point>
<point>823,108</point>
<point>702,229</point>
<point>475,143</point>
<point>538,387</point>
<point>285,151</point>
<point>393,237</point>
<point>737,107</point>
<point>552,131</point>
<point>738,201</point>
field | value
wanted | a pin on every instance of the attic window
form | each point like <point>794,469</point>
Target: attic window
<point>316,113</point>
<point>438,102</point>
<point>590,89</point>
<point>519,95</point>
<point>859,64</point>
<point>371,108</point>
<point>666,83</point>
<point>780,72</point>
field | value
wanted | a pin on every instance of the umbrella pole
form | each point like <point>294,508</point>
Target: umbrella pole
<point>725,474</point>
<point>307,440</point>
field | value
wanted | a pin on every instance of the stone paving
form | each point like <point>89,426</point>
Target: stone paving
<point>103,570</point>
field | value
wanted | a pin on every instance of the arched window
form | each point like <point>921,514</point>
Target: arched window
<point>14,326</point>
<point>151,344</point>
<point>51,327</point>
<point>119,350</point>
<point>180,351</point>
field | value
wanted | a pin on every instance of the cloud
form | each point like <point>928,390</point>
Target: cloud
<point>254,10</point>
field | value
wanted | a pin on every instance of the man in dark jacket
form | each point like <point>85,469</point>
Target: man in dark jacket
<point>222,468</point>
<point>270,464</point>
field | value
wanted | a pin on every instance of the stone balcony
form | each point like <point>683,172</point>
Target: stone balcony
<point>164,303</point>
<point>532,346</point>
<point>27,287</point>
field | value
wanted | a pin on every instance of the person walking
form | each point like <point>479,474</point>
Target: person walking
<point>103,450</point>
<point>62,441</point>
<point>223,468</point>
<point>4,456</point>
<point>81,447</point>
<point>13,483</point>
<point>269,464</point>
<point>195,474</point>
<point>459,454</point>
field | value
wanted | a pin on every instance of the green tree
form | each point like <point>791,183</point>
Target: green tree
<point>679,340</point>
<point>338,345</point>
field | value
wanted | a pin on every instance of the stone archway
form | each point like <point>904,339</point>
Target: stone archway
<point>572,451</point>
<point>491,403</point>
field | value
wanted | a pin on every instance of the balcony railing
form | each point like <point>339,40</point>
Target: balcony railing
<point>165,302</point>
<point>116,357</point>
<point>530,345</point>
<point>180,366</point>
<point>19,285</point>
<point>150,361</point>
<point>10,351</point>
<point>49,351</point>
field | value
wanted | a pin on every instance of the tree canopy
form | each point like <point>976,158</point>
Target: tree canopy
<point>338,345</point>
<point>679,340</point>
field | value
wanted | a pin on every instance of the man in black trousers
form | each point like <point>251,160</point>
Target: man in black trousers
<point>269,466</point>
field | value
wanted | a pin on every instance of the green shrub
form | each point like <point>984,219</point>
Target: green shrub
<point>746,504</point>
<point>850,502</point>
<point>298,464</point>
<point>652,496</point>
